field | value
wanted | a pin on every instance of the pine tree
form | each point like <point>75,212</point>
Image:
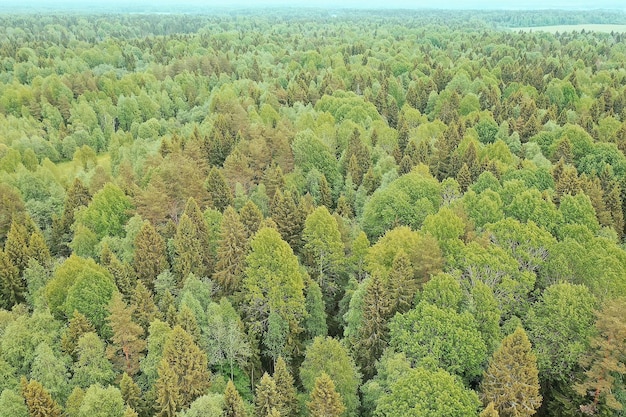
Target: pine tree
<point>78,326</point>
<point>38,400</point>
<point>12,287</point>
<point>189,365</point>
<point>511,380</point>
<point>131,393</point>
<point>144,308</point>
<point>250,216</point>
<point>266,396</point>
<point>231,252</point>
<point>325,401</point>
<point>286,389</point>
<point>220,195</point>
<point>233,403</point>
<point>372,336</point>
<point>150,256</point>
<point>127,345</point>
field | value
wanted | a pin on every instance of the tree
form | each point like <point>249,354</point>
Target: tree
<point>233,403</point>
<point>51,371</point>
<point>150,256</point>
<point>323,249</point>
<point>144,311</point>
<point>102,402</point>
<point>12,404</point>
<point>188,249</point>
<point>169,399</point>
<point>77,326</point>
<point>604,363</point>
<point>231,252</point>
<point>16,245</point>
<point>401,287</point>
<point>372,338</point>
<point>489,411</point>
<point>289,221</point>
<point>267,397</point>
<point>220,195</point>
<point>12,287</point>
<point>189,365</point>
<point>107,213</point>
<point>511,380</point>
<point>422,392</point>
<point>325,401</point>
<point>127,345</point>
<point>285,389</point>
<point>273,282</point>
<point>131,393</point>
<point>251,217</point>
<point>38,400</point>
<point>331,357</point>
<point>91,366</point>
<point>315,320</point>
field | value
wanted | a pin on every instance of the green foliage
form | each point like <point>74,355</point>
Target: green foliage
<point>102,402</point>
<point>422,392</point>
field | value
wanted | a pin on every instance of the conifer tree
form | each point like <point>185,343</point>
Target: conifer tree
<point>231,252</point>
<point>169,399</point>
<point>373,333</point>
<point>130,412</point>
<point>188,250</point>
<point>91,366</point>
<point>325,197</point>
<point>16,245</point>
<point>402,287</point>
<point>464,178</point>
<point>127,345</point>
<point>274,180</point>
<point>187,320</point>
<point>233,403</point>
<point>489,411</point>
<point>220,195</point>
<point>77,196</point>
<point>144,308</point>
<point>605,363</point>
<point>188,363</point>
<point>325,400</point>
<point>251,217</point>
<point>12,287</point>
<point>315,320</point>
<point>511,380</point>
<point>38,400</point>
<point>131,393</point>
<point>150,256</point>
<point>286,389</point>
<point>38,249</point>
<point>266,397</point>
<point>123,274</point>
<point>289,222</point>
<point>78,326</point>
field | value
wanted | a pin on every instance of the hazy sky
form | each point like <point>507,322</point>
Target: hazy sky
<point>456,4</point>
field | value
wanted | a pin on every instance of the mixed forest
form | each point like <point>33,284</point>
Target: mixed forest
<point>311,214</point>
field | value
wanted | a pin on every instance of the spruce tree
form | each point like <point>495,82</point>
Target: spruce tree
<point>250,216</point>
<point>325,198</point>
<point>464,178</point>
<point>489,411</point>
<point>511,380</point>
<point>77,196</point>
<point>373,333</point>
<point>131,393</point>
<point>187,320</point>
<point>16,245</point>
<point>402,287</point>
<point>38,249</point>
<point>315,320</point>
<point>144,308</point>
<point>77,326</point>
<point>12,287</point>
<point>188,250</point>
<point>286,389</point>
<point>188,363</point>
<point>127,343</point>
<point>220,195</point>
<point>169,399</point>
<point>38,400</point>
<point>150,256</point>
<point>231,252</point>
<point>325,401</point>
<point>289,222</point>
<point>266,396</point>
<point>233,403</point>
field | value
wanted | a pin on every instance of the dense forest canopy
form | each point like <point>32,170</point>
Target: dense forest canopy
<point>305,213</point>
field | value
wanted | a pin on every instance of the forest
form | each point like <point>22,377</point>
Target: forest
<point>301,213</point>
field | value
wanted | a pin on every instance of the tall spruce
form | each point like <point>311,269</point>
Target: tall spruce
<point>145,310</point>
<point>233,403</point>
<point>150,254</point>
<point>38,400</point>
<point>12,287</point>
<point>250,216</point>
<point>220,195</point>
<point>231,252</point>
<point>127,344</point>
<point>78,326</point>
<point>511,381</point>
<point>286,390</point>
<point>267,397</point>
<point>325,400</point>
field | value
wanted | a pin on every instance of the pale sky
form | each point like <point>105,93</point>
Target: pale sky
<point>370,4</point>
